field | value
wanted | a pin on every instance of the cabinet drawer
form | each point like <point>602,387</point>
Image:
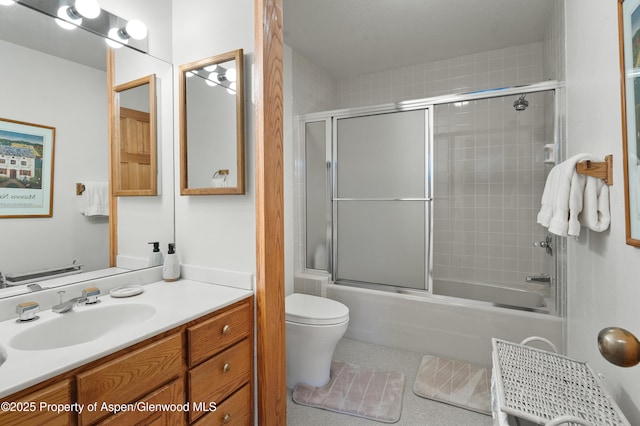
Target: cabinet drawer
<point>30,412</point>
<point>234,411</point>
<point>210,337</point>
<point>217,378</point>
<point>130,376</point>
<point>171,395</point>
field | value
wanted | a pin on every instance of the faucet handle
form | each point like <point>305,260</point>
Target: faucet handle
<point>27,311</point>
<point>90,294</point>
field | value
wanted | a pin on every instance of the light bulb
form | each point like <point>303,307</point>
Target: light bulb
<point>65,20</point>
<point>232,88</point>
<point>210,83</point>
<point>231,74</point>
<point>87,8</point>
<point>188,74</point>
<point>214,77</point>
<point>136,29</point>
<point>6,2</point>
<point>211,68</point>
<point>114,40</point>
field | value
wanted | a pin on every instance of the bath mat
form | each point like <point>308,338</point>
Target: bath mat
<point>357,391</point>
<point>458,383</point>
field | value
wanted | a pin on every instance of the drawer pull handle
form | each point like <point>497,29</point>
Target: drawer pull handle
<point>226,419</point>
<point>226,330</point>
<point>226,368</point>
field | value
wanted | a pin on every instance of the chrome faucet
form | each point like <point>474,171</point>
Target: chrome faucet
<point>89,297</point>
<point>542,278</point>
<point>63,307</point>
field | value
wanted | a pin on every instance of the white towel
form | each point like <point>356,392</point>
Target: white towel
<point>565,196</point>
<point>95,199</point>
<point>595,213</point>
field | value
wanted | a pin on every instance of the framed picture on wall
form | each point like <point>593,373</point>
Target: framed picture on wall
<point>629,35</point>
<point>26,169</point>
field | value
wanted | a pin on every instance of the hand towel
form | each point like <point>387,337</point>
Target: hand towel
<point>95,199</point>
<point>562,198</point>
<point>595,213</point>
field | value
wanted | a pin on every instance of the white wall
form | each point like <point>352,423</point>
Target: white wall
<point>603,286</point>
<point>217,231</point>
<point>142,219</point>
<point>42,89</point>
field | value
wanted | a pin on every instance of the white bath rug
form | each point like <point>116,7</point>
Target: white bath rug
<point>357,391</point>
<point>458,383</point>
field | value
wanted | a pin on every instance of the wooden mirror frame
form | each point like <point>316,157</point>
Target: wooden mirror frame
<point>239,189</point>
<point>152,189</point>
<point>629,142</point>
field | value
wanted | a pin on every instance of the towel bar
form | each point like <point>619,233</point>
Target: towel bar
<point>79,188</point>
<point>601,170</point>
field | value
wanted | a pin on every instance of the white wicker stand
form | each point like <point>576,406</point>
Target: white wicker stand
<point>549,389</point>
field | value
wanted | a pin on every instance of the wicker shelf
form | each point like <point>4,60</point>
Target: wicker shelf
<point>549,389</point>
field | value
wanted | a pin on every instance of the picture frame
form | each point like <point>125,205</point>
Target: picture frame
<point>628,31</point>
<point>26,169</point>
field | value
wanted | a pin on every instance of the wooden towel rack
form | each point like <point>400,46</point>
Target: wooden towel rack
<point>79,188</point>
<point>602,170</point>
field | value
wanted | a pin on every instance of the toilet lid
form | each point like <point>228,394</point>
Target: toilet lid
<point>307,309</point>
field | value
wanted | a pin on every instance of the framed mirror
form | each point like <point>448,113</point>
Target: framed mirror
<point>74,99</point>
<point>629,19</point>
<point>212,125</point>
<point>135,144</point>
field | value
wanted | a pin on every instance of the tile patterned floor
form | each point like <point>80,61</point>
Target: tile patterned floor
<point>416,411</point>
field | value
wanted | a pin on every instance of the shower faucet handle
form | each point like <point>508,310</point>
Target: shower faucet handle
<point>546,244</point>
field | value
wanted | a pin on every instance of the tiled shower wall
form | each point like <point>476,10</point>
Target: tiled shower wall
<point>314,91</point>
<point>511,66</point>
<point>489,175</point>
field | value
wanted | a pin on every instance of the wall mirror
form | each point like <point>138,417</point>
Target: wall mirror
<point>629,19</point>
<point>72,96</point>
<point>212,126</point>
<point>134,148</point>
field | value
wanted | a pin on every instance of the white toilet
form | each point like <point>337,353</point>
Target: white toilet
<point>314,325</point>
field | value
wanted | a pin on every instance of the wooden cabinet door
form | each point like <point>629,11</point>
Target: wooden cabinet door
<point>129,377</point>
<point>29,410</point>
<point>169,398</point>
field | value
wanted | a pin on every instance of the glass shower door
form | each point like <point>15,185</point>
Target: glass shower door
<point>381,204</point>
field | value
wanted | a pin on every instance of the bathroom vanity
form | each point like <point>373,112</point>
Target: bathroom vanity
<point>189,361</point>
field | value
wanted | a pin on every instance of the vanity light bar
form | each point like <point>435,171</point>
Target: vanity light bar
<point>99,25</point>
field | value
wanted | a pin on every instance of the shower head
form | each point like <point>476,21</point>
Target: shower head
<point>521,104</point>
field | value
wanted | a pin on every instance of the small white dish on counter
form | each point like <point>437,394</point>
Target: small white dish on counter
<point>126,291</point>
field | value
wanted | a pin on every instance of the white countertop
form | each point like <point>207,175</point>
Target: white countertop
<point>176,303</point>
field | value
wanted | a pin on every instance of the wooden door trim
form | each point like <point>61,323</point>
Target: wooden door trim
<point>270,324</point>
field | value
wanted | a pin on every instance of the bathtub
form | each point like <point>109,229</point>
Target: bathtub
<point>535,299</point>
<point>442,325</point>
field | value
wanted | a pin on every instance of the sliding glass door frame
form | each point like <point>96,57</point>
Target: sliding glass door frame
<point>426,199</point>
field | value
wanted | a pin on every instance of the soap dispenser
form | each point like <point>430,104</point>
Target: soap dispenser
<point>155,259</point>
<point>171,267</point>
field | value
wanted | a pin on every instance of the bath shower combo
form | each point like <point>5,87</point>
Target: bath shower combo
<point>425,213</point>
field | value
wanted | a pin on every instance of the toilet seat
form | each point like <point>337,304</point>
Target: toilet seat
<point>314,310</point>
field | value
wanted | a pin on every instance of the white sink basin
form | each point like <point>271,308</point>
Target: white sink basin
<point>80,326</point>
<point>3,355</point>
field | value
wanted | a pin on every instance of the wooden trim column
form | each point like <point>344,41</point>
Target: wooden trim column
<point>270,327</point>
<point>111,134</point>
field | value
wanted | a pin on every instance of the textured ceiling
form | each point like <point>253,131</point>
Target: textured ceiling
<point>351,37</point>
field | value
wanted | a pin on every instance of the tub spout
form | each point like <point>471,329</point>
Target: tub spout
<point>543,278</point>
